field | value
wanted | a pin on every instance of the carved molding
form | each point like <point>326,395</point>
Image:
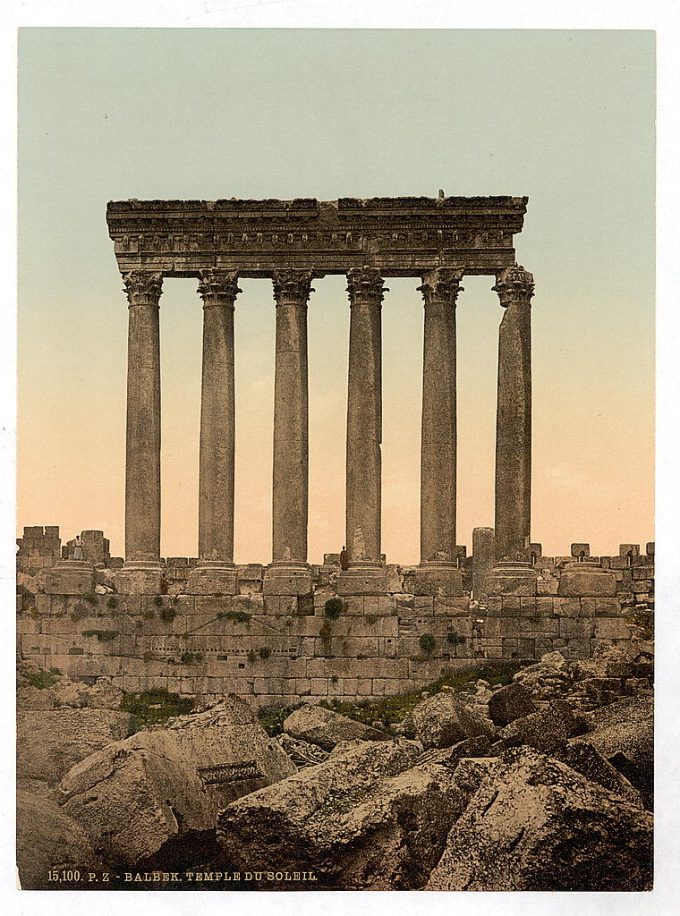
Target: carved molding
<point>365,284</point>
<point>292,287</point>
<point>143,287</point>
<point>441,285</point>
<point>514,284</point>
<point>218,287</point>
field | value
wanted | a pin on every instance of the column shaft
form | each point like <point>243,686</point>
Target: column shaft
<point>216,467</point>
<point>438,441</point>
<point>290,492</point>
<point>364,415</point>
<point>143,435</point>
<point>513,419</point>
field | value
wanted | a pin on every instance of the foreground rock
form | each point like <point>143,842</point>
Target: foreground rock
<point>367,818</point>
<point>534,824</point>
<point>325,728</point>
<point>50,742</point>
<point>166,785</point>
<point>623,733</point>
<point>302,753</point>
<point>509,703</point>
<point>443,720</point>
<point>544,730</point>
<point>47,838</point>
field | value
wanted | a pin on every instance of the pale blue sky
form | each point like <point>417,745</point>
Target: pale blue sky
<point>566,118</point>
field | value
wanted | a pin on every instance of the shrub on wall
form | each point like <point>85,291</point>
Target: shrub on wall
<point>168,614</point>
<point>333,608</point>
<point>264,651</point>
<point>427,643</point>
<point>112,602</point>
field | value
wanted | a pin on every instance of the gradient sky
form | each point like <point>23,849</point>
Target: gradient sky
<point>566,118</point>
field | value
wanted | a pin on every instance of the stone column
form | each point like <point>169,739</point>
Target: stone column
<point>289,573</point>
<point>515,287</point>
<point>215,572</point>
<point>438,572</point>
<point>366,573</point>
<point>143,439</point>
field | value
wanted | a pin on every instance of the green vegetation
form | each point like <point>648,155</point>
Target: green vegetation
<point>112,602</point>
<point>154,707</point>
<point>91,598</point>
<point>158,601</point>
<point>102,635</point>
<point>168,614</point>
<point>391,710</point>
<point>190,658</point>
<point>427,643</point>
<point>148,615</point>
<point>333,608</point>
<point>264,652</point>
<point>251,656</point>
<point>453,639</point>
<point>236,616</point>
<point>272,718</point>
<point>43,679</point>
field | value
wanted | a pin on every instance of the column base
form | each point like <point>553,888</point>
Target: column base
<point>587,579</point>
<point>512,577</point>
<point>363,577</point>
<point>139,577</point>
<point>437,577</point>
<point>213,577</point>
<point>70,577</point>
<point>288,577</point>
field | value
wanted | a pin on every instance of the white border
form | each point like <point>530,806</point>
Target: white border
<point>663,17</point>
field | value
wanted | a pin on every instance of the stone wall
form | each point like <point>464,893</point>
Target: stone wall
<point>279,649</point>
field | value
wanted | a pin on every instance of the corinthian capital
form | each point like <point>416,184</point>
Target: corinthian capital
<point>514,284</point>
<point>292,287</point>
<point>218,287</point>
<point>364,284</point>
<point>143,287</point>
<point>442,284</point>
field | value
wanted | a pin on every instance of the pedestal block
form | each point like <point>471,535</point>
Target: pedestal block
<point>512,577</point>
<point>213,578</point>
<point>438,578</point>
<point>587,579</point>
<point>70,577</point>
<point>362,578</point>
<point>286,577</point>
<point>139,577</point>
<point>483,558</point>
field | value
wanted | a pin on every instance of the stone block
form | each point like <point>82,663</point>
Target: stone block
<point>362,580</point>
<point>138,580</point>
<point>611,628</point>
<point>451,607</point>
<point>579,551</point>
<point>70,577</point>
<point>587,582</point>
<point>629,550</point>
<point>438,579</point>
<point>212,579</point>
<point>649,549</point>
<point>292,579</point>
<point>512,578</point>
<point>544,607</point>
<point>608,607</point>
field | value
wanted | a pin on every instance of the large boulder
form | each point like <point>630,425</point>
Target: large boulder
<point>509,703</point>
<point>549,678</point>
<point>325,728</point>
<point>443,720</point>
<point>623,733</point>
<point>534,824</point>
<point>545,729</point>
<point>302,753</point>
<point>47,838</point>
<point>51,741</point>
<point>166,785</point>
<point>367,818</point>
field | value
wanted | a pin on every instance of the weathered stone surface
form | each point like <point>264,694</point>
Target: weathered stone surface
<point>509,703</point>
<point>583,758</point>
<point>535,824</point>
<point>326,728</point>
<point>623,733</point>
<point>544,730</point>
<point>47,838</point>
<point>167,783</point>
<point>302,753</point>
<point>365,819</point>
<point>50,742</point>
<point>443,720</point>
